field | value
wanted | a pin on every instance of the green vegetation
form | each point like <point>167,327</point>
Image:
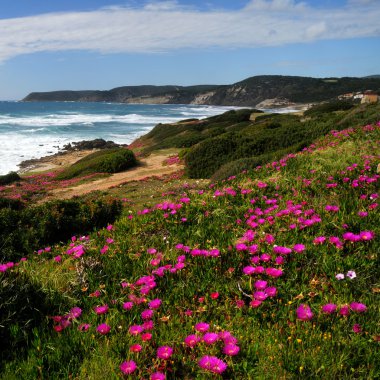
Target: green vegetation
<point>9,178</point>
<point>255,260</point>
<point>27,229</point>
<point>229,143</point>
<point>104,161</point>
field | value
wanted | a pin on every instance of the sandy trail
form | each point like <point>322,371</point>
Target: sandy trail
<point>150,166</point>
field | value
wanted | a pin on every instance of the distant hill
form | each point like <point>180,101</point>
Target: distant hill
<point>281,90</point>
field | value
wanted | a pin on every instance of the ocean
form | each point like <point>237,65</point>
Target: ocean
<point>34,130</point>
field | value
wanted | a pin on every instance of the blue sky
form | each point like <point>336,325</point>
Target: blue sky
<point>101,44</point>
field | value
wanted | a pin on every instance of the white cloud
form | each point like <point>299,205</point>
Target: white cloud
<point>166,25</point>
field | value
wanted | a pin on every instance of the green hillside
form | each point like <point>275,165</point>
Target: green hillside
<point>271,274</point>
<point>224,145</point>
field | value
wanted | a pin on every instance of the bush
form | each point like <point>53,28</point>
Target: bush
<point>105,161</point>
<point>24,231</point>
<point>9,178</point>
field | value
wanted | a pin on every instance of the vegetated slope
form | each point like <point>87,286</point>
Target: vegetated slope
<point>225,145</point>
<point>261,276</point>
<point>248,92</point>
<point>104,161</point>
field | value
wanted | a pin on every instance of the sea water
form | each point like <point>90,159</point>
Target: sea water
<point>34,130</point>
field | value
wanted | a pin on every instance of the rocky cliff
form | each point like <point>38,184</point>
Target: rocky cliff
<point>249,92</point>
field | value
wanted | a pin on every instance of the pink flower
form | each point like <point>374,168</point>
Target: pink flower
<point>357,328</point>
<point>255,303</point>
<point>304,313</point>
<point>157,376</point>
<point>271,291</point>
<point>260,284</point>
<point>127,305</point>
<point>248,270</point>
<point>101,309</point>
<point>339,276</point>
<point>135,348</point>
<point>103,328</point>
<point>84,327</point>
<point>214,295</point>
<point>210,338</point>
<point>329,308</point>
<point>75,312</point>
<point>146,336</point>
<point>367,235</point>
<point>202,327</point>
<point>128,367</point>
<point>358,307</point>
<point>344,310</point>
<point>260,296</point>
<point>191,340</point>
<point>299,248</point>
<point>135,330</point>
<point>212,364</point>
<point>164,352</point>
<point>147,314</point>
<point>351,274</point>
<point>231,349</point>
<point>281,250</point>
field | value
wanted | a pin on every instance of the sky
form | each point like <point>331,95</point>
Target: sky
<point>48,45</point>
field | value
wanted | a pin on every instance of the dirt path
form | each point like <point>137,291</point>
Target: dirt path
<point>150,166</point>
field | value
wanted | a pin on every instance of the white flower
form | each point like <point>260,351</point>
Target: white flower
<point>351,274</point>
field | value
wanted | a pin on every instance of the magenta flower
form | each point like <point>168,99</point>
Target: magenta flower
<point>147,314</point>
<point>128,367</point>
<point>255,303</point>
<point>202,327</point>
<point>191,340</point>
<point>281,250</point>
<point>212,364</point>
<point>157,376</point>
<point>103,328</point>
<point>329,308</point>
<point>299,248</point>
<point>304,313</point>
<point>75,312</point>
<point>135,348</point>
<point>273,272</point>
<point>248,270</point>
<point>356,328</point>
<point>344,310</point>
<point>260,284</point>
<point>260,296</point>
<point>127,305</point>
<point>358,307</point>
<point>164,352</point>
<point>231,349</point>
<point>271,291</point>
<point>155,304</point>
<point>367,235</point>
<point>101,309</point>
<point>84,327</point>
<point>135,330</point>
<point>210,337</point>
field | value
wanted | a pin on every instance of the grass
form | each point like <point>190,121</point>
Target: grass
<point>139,259</point>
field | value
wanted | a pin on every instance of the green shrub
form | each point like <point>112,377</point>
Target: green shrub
<point>9,178</point>
<point>104,161</point>
<point>332,106</point>
<point>24,231</point>
<point>14,204</point>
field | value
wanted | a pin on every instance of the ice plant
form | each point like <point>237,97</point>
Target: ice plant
<point>164,352</point>
<point>210,337</point>
<point>101,309</point>
<point>231,349</point>
<point>128,367</point>
<point>191,340</point>
<point>103,328</point>
<point>202,327</point>
<point>304,313</point>
<point>212,364</point>
<point>329,308</point>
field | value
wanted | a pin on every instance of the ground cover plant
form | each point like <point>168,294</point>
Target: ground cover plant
<point>263,275</point>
